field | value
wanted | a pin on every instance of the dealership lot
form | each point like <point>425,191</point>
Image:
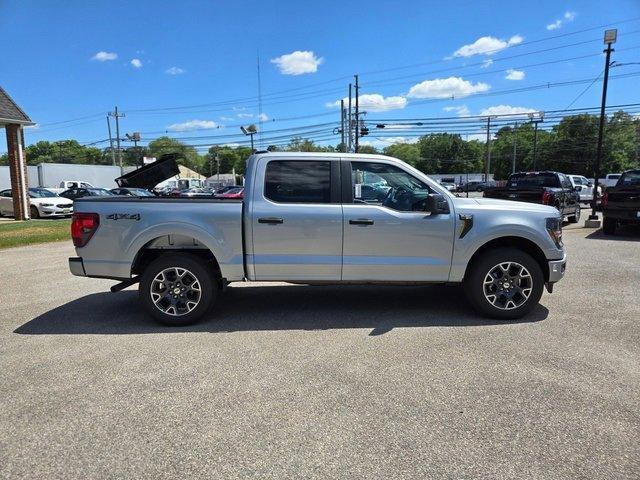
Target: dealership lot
<point>289,381</point>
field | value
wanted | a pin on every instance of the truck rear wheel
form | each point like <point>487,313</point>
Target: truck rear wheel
<point>609,226</point>
<point>505,284</point>
<point>177,289</point>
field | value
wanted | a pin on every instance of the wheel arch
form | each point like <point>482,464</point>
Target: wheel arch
<point>520,243</point>
<point>161,245</point>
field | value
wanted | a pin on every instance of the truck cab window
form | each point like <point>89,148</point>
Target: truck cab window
<point>295,181</point>
<point>388,186</point>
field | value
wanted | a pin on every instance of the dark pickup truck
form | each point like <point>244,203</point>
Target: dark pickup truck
<point>621,204</point>
<point>547,188</point>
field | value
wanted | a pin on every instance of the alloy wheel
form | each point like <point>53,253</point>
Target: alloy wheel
<point>507,285</point>
<point>175,291</point>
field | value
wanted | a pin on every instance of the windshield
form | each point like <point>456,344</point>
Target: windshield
<point>141,192</point>
<point>630,178</point>
<point>97,192</point>
<point>41,193</point>
<point>523,180</point>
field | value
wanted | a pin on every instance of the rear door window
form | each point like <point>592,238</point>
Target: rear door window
<point>296,181</point>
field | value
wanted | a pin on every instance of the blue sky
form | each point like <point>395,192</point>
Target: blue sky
<point>76,60</point>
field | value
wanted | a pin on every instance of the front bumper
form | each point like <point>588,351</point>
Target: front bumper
<point>77,267</point>
<point>56,211</point>
<point>557,269</point>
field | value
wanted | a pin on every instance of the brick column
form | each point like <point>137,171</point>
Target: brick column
<point>17,172</point>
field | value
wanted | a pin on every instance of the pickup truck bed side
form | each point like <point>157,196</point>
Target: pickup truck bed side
<point>130,224</point>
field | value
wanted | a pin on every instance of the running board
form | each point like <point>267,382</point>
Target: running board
<point>126,283</point>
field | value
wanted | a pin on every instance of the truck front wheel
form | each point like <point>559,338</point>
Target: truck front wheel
<point>505,284</point>
<point>177,289</point>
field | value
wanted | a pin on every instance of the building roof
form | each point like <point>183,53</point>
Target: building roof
<point>10,112</point>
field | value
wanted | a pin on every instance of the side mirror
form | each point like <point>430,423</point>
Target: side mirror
<point>436,204</point>
<point>589,184</point>
<point>577,188</point>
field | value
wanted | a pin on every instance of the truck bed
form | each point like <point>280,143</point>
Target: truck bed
<point>127,224</point>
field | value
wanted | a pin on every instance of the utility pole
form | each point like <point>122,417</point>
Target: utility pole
<point>342,124</point>
<point>536,118</point>
<point>113,153</point>
<point>610,37</point>
<point>487,164</point>
<point>357,115</point>
<point>118,116</point>
<point>349,122</point>
<point>515,142</point>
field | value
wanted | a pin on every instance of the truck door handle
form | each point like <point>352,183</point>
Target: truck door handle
<point>271,220</point>
<point>361,221</point>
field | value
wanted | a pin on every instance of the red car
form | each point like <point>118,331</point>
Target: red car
<point>233,193</point>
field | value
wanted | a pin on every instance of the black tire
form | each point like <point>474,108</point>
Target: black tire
<point>34,213</point>
<point>575,218</point>
<point>196,268</point>
<point>481,267</point>
<point>609,226</point>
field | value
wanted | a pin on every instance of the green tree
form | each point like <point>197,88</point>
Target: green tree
<point>367,149</point>
<point>407,152</point>
<point>187,155</point>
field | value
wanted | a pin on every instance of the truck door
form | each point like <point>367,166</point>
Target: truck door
<point>296,219</point>
<point>387,234</point>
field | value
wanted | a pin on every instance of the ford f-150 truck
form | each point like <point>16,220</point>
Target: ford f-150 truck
<point>305,218</point>
<point>621,204</point>
<point>548,188</point>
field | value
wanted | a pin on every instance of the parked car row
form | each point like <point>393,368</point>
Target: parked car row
<point>42,203</point>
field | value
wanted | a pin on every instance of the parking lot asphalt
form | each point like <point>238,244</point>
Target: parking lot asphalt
<point>287,381</point>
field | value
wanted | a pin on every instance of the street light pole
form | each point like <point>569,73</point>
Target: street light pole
<point>610,37</point>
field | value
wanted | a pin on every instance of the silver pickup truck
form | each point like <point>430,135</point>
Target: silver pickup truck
<point>320,218</point>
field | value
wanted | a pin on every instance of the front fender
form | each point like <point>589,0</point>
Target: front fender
<point>487,229</point>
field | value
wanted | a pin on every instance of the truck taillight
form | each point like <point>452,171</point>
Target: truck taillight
<point>605,199</point>
<point>546,198</point>
<point>83,226</point>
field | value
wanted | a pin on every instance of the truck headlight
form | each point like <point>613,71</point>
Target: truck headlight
<point>554,229</point>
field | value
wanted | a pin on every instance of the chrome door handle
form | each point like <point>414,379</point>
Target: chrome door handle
<point>361,221</point>
<point>271,220</point>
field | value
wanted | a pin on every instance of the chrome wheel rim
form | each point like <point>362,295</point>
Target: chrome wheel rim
<point>507,285</point>
<point>175,291</point>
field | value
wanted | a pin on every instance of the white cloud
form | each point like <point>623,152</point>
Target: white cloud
<point>136,63</point>
<point>174,71</point>
<point>486,46</point>
<point>451,87</point>
<point>192,125</point>
<point>297,63</point>
<point>514,74</point>
<point>103,56</point>
<point>462,110</point>
<point>263,117</point>
<point>566,18</point>
<point>374,102</point>
<point>245,115</point>
<point>555,25</point>
<point>505,110</point>
<point>227,119</point>
<point>487,63</point>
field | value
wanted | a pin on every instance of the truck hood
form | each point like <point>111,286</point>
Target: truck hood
<point>492,203</point>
